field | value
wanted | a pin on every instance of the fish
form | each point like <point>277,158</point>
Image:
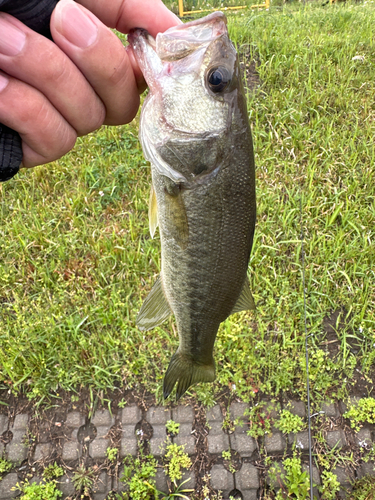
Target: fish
<point>195,132</point>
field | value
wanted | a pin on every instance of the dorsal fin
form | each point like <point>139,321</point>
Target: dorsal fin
<point>155,309</point>
<point>245,301</point>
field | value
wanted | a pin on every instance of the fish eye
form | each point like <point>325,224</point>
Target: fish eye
<point>218,79</point>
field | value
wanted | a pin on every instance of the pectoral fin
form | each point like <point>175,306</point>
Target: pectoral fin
<point>155,309</point>
<point>153,212</point>
<point>178,226</point>
<point>245,301</point>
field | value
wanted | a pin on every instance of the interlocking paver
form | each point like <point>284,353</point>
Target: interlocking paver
<point>66,485</point>
<point>183,414</point>
<point>274,443</point>
<point>249,494</point>
<point>157,442</point>
<point>21,421</point>
<point>336,439</point>
<point>3,423</point>
<point>161,481</point>
<point>6,485</point>
<point>130,415</point>
<point>42,451</point>
<point>330,409</point>
<point>128,447</point>
<point>187,441</point>
<point>103,418</point>
<point>98,448</point>
<point>366,469</point>
<point>300,439</point>
<point>74,419</point>
<point>237,410</point>
<point>71,450</point>
<point>158,415</point>
<point>16,449</point>
<point>297,408</point>
<point>273,476</point>
<point>221,479</point>
<point>244,444</point>
<point>247,478</point>
<point>363,438</point>
<point>102,487</point>
<point>316,475</point>
<point>214,413</point>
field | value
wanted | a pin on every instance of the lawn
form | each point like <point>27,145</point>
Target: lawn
<point>77,259</point>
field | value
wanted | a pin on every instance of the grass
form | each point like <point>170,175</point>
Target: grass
<point>77,259</point>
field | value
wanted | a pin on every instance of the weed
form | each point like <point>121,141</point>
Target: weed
<point>53,471</point>
<point>363,489</point>
<point>176,460</point>
<point>138,475</point>
<point>363,411</point>
<point>122,403</point>
<point>294,483</point>
<point>173,428</point>
<point>330,485</point>
<point>289,423</point>
<point>227,455</point>
<point>260,419</point>
<point>43,491</point>
<point>83,480</point>
<point>5,466</point>
<point>111,454</point>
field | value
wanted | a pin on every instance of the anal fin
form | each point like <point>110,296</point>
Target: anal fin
<point>155,309</point>
<point>245,301</point>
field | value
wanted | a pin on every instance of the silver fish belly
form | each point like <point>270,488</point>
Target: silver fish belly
<point>195,132</point>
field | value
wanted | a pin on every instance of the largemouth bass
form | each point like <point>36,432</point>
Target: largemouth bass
<point>195,131</point>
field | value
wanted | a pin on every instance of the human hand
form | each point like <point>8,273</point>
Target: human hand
<point>52,92</point>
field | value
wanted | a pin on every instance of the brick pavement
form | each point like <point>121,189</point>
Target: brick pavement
<point>76,439</point>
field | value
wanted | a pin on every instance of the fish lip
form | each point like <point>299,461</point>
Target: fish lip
<point>137,34</point>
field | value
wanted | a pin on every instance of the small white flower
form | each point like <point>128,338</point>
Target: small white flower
<point>358,58</point>
<point>101,193</point>
<point>234,387</point>
<point>300,445</point>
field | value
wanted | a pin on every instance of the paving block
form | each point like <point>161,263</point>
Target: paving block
<point>16,449</point>
<point>130,415</point>
<point>343,477</point>
<point>221,479</point>
<point>330,409</point>
<point>98,448</point>
<point>102,432</point>
<point>161,481</point>
<point>6,485</point>
<point>217,442</point>
<point>102,484</point>
<point>21,421</point>
<point>3,423</point>
<point>274,443</point>
<point>103,418</point>
<point>215,428</point>
<point>183,414</point>
<point>273,476</point>
<point>249,494</point>
<point>158,415</point>
<point>189,477</point>
<point>336,439</point>
<point>214,414</point>
<point>247,478</point>
<point>185,430</point>
<point>364,469</point>
<point>72,450</point>
<point>128,446</point>
<point>316,475</point>
<point>363,438</point>
<point>42,451</point>
<point>66,485</point>
<point>300,439</point>
<point>187,441</point>
<point>297,408</point>
<point>245,445</point>
<point>270,408</point>
<point>1,449</point>
<point>74,419</point>
<point>157,447</point>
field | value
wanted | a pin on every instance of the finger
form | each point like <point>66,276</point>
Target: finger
<point>100,56</point>
<point>37,61</point>
<point>45,134</point>
<point>124,15</point>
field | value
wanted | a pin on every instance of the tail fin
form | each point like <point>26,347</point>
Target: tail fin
<point>183,370</point>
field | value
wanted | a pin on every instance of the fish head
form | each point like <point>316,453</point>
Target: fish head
<point>192,110</point>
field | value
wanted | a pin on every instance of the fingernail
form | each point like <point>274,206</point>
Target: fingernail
<point>12,39</point>
<point>3,82</point>
<point>75,25</point>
